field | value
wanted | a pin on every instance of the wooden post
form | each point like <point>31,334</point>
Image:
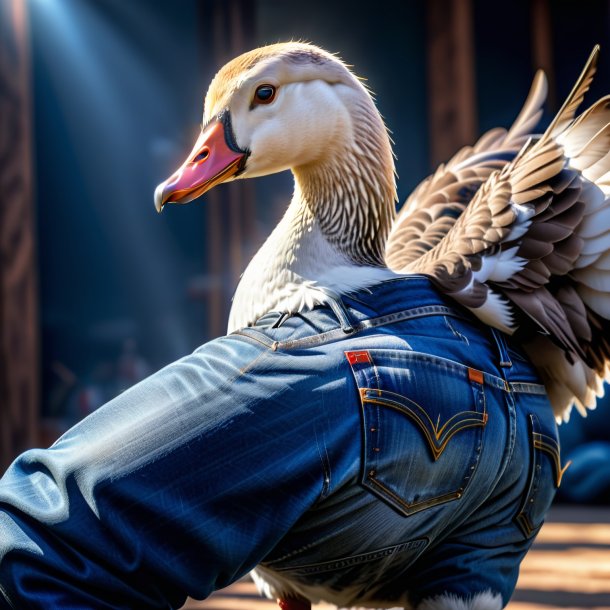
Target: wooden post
<point>542,47</point>
<point>451,78</point>
<point>18,296</point>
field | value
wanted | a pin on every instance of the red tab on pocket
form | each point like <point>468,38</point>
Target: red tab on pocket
<point>357,357</point>
<point>476,376</point>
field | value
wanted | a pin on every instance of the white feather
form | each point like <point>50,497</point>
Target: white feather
<point>567,384</point>
<point>597,170</point>
<point>500,266</point>
<point>522,222</point>
<point>604,184</point>
<point>292,275</point>
<point>594,195</point>
<point>482,601</point>
<point>496,311</point>
<point>274,585</point>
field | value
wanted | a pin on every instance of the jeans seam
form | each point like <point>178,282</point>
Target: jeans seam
<point>512,432</point>
<point>325,468</point>
<point>526,387</point>
<point>261,338</point>
<point>392,318</point>
<point>495,381</point>
<point>298,551</point>
<point>350,560</point>
<point>245,369</point>
<point>456,333</point>
<point>376,374</point>
<point>452,365</point>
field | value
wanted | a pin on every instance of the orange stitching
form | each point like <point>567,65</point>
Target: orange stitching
<point>416,506</point>
<point>384,392</point>
<point>436,445</point>
<point>552,448</point>
<point>525,522</point>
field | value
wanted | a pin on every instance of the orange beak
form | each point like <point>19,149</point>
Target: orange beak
<point>214,158</point>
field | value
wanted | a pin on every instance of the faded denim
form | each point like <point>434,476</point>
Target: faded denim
<point>394,451</point>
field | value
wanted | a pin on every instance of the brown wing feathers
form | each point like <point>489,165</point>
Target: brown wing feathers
<point>548,289</point>
<point>536,234</point>
<point>432,209</point>
<point>574,100</point>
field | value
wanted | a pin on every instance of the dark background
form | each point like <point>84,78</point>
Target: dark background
<point>107,99</point>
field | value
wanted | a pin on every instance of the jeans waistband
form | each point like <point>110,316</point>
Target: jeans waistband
<point>349,328</point>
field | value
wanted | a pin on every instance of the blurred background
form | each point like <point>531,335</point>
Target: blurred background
<point>100,100</point>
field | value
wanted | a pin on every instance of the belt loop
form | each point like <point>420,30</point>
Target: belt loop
<point>340,311</point>
<point>505,361</point>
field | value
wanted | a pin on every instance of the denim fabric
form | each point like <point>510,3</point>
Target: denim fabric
<point>379,450</point>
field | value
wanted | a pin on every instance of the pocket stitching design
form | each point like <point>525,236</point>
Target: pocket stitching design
<point>435,436</point>
<point>415,507</point>
<point>551,446</point>
<point>432,432</point>
<point>411,508</point>
<point>539,442</point>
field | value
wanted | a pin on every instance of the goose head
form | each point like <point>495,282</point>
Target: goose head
<point>292,106</point>
<point>295,106</point>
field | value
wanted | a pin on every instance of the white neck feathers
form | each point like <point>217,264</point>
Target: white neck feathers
<point>332,238</point>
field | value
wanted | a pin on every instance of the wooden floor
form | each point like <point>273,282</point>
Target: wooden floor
<point>568,568</point>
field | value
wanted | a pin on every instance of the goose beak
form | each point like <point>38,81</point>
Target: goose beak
<point>214,159</point>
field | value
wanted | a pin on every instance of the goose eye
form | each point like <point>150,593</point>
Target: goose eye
<point>264,94</point>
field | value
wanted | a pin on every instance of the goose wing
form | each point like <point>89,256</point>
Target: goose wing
<point>531,251</point>
<point>434,206</point>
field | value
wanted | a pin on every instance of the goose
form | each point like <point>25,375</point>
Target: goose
<point>515,228</point>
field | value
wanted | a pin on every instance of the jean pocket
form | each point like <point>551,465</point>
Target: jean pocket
<point>544,475</point>
<point>423,420</point>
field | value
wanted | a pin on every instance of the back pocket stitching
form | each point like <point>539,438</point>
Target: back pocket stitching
<point>538,442</point>
<point>415,507</point>
<point>432,433</point>
<point>436,437</point>
<point>380,488</point>
<point>551,446</point>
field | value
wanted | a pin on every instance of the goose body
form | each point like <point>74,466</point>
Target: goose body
<point>515,228</point>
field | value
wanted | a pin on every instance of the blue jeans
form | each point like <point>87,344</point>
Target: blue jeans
<point>386,451</point>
